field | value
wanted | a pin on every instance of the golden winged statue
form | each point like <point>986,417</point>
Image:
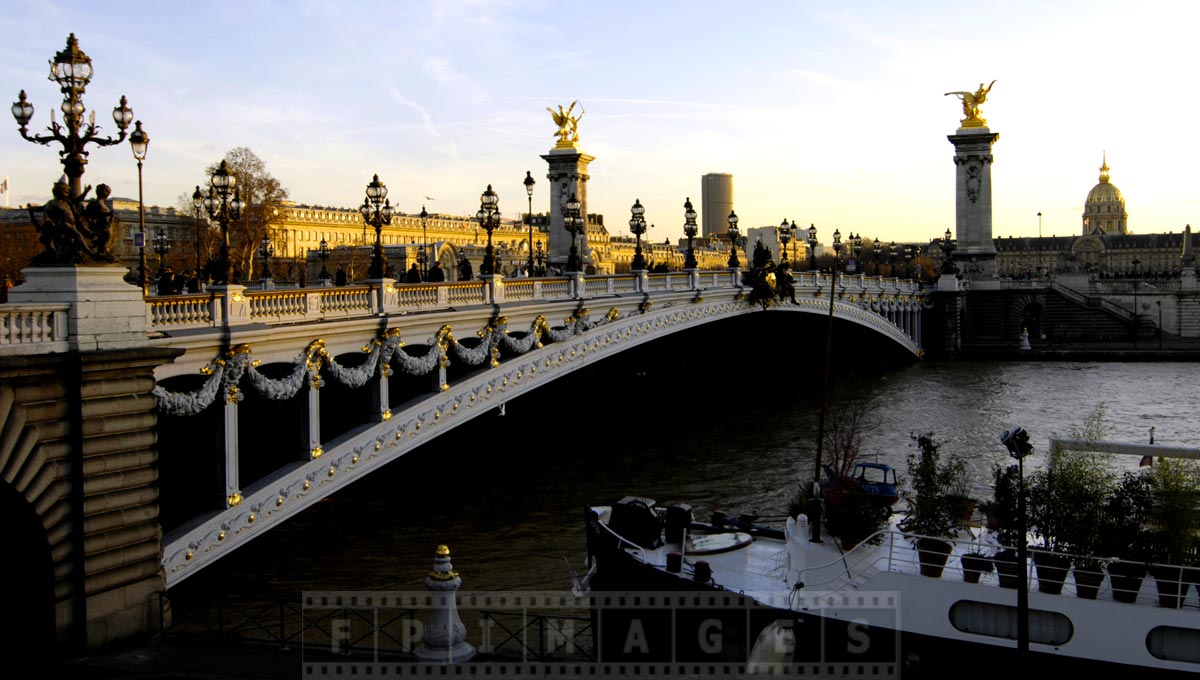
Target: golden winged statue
<point>971,102</point>
<point>568,125</point>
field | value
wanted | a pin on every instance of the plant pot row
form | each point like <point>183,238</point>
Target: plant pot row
<point>1124,576</point>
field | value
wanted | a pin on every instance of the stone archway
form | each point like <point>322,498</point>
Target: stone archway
<point>28,570</point>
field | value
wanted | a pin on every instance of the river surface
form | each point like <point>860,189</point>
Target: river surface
<point>507,493</point>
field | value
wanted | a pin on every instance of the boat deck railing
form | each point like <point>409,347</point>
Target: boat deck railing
<point>890,550</point>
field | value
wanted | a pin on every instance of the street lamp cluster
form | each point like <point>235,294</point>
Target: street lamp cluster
<point>689,230</point>
<point>224,204</point>
<point>72,70</point>
<point>161,248</point>
<point>735,235</point>
<point>376,210</point>
<point>637,226</point>
<point>489,219</point>
<point>573,223</point>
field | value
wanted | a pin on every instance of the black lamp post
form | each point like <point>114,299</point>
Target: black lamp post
<point>812,247</point>
<point>139,143</point>
<point>529,214</point>
<point>424,245</point>
<point>161,248</point>
<point>376,211</point>
<point>489,219</point>
<point>265,250</point>
<point>875,254</point>
<point>197,204</point>
<point>893,252</point>
<point>1017,442</point>
<point>573,223</point>
<point>816,519</point>
<point>72,70</point>
<point>857,246</point>
<point>539,255</point>
<point>785,235</point>
<point>734,234</point>
<point>224,205</point>
<point>637,225</point>
<point>1136,284</point>
<point>689,230</point>
<point>323,253</point>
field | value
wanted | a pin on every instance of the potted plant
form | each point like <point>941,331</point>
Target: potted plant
<point>932,516</point>
<point>974,564</point>
<point>1123,534</point>
<point>1067,510</point>
<point>1005,507</point>
<point>1173,524</point>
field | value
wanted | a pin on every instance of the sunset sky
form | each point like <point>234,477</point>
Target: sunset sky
<point>825,113</point>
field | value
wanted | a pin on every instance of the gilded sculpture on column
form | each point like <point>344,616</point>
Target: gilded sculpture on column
<point>568,125</point>
<point>971,102</point>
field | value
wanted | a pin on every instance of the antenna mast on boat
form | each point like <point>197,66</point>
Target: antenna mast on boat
<point>816,489</point>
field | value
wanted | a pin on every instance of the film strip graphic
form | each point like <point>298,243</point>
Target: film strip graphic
<point>539,634</point>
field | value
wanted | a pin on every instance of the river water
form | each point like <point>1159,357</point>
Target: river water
<point>507,493</point>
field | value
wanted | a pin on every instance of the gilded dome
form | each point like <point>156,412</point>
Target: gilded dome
<point>1105,191</point>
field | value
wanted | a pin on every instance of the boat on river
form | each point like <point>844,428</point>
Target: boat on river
<point>668,588</point>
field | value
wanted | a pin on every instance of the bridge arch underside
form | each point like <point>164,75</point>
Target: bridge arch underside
<point>344,433</point>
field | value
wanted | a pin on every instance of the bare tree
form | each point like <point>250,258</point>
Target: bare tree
<point>262,201</point>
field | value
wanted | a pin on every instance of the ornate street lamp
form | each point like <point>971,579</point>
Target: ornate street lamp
<point>893,252</point>
<point>539,255</point>
<point>875,254</point>
<point>197,204</point>
<point>489,219</point>
<point>856,244</point>
<point>812,247</point>
<point>637,226</point>
<point>223,205</point>
<point>948,246</point>
<point>139,143</point>
<point>72,70</point>
<point>376,211</point>
<point>734,234</point>
<point>161,248</point>
<point>265,250</point>
<point>689,230</point>
<point>785,235</point>
<point>323,253</point>
<point>529,215</point>
<point>573,223</point>
<point>837,250</point>
<point>424,245</point>
<point>792,233</point>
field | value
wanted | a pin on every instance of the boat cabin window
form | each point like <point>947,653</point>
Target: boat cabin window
<point>1174,644</point>
<point>1000,620</point>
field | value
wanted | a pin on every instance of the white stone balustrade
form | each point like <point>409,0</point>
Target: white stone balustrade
<point>33,328</point>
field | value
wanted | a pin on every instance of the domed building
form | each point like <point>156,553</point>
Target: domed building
<point>1104,210</point>
<point>1104,248</point>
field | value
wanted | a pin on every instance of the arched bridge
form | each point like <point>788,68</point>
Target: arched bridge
<point>467,346</point>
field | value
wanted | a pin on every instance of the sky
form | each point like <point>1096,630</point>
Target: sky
<point>831,114</point>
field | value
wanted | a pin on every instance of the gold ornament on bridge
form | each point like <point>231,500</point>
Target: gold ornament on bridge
<point>970,103</point>
<point>568,125</point>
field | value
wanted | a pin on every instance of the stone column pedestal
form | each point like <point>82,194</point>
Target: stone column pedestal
<point>973,200</point>
<point>106,312</point>
<point>567,175</point>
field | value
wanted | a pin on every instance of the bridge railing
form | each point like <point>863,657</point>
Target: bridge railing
<point>33,328</point>
<point>234,305</point>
